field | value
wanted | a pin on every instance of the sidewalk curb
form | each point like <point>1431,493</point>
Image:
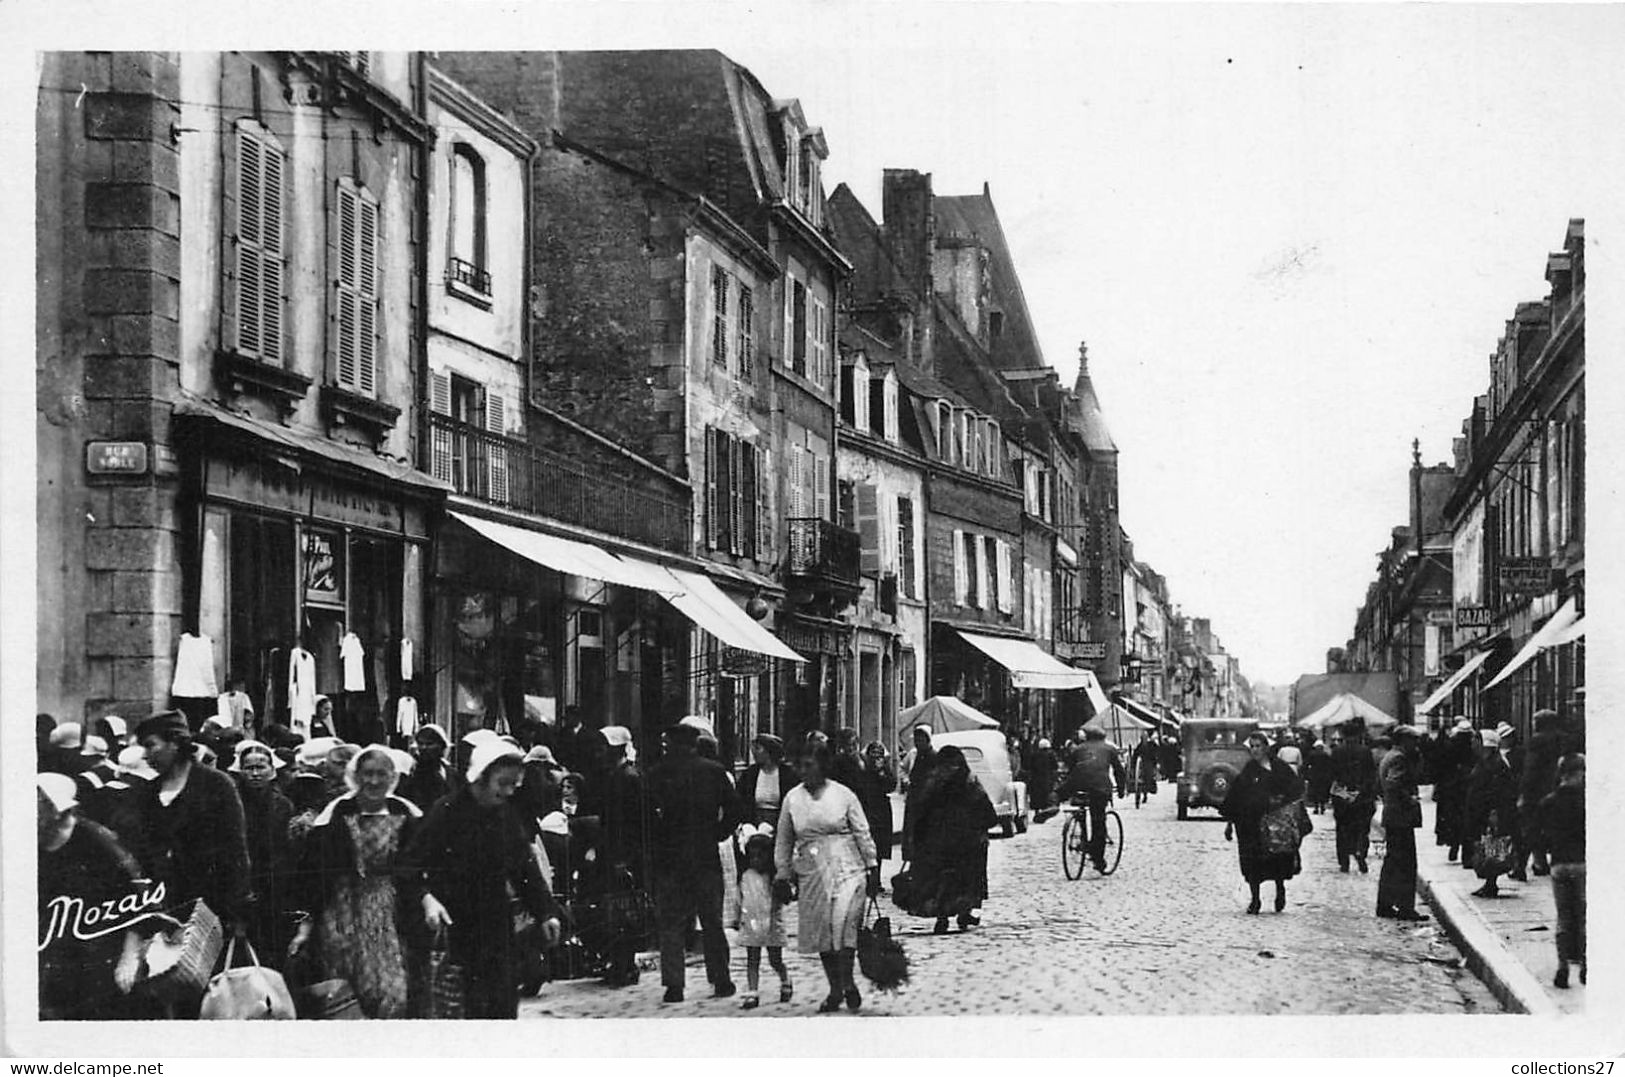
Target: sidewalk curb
<point>1486,955</point>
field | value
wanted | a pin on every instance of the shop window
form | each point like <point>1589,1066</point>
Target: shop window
<point>260,608</point>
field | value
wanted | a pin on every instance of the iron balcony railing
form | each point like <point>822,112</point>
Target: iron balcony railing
<point>469,275</point>
<point>515,474</point>
<point>824,552</point>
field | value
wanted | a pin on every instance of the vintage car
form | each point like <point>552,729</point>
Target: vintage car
<point>1215,750</point>
<point>989,759</point>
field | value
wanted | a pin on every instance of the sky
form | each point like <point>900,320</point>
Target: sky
<point>1290,235</point>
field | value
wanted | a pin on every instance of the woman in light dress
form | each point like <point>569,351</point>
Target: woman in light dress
<point>824,845</point>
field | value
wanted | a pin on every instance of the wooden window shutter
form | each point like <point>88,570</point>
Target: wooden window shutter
<point>496,453</point>
<point>719,317</point>
<point>750,498</point>
<point>439,435</point>
<point>796,488</point>
<point>747,333</point>
<point>821,485</point>
<point>255,259</point>
<point>711,465</point>
<point>764,519</point>
<point>868,512</point>
<point>960,569</point>
<point>799,331</point>
<point>736,494</point>
<point>356,291</point>
<point>1001,580</point>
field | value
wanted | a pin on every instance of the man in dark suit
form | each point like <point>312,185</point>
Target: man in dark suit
<point>1401,815</point>
<point>1354,793</point>
<point>693,809</point>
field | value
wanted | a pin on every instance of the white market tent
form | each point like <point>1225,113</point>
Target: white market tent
<point>1343,706</point>
<point>945,714</point>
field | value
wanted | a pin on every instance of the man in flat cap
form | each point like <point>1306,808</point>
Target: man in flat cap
<point>1401,815</point>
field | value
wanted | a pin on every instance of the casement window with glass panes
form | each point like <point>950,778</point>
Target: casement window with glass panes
<point>737,478</point>
<point>354,243</point>
<point>470,452</point>
<point>255,258</point>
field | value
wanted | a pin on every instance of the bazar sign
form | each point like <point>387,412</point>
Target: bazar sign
<point>1473,616</point>
<point>67,915</point>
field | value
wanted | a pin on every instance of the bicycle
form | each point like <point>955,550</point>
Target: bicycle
<point>1075,840</point>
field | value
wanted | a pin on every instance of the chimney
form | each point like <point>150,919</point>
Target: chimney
<point>910,225</point>
<point>1416,492</point>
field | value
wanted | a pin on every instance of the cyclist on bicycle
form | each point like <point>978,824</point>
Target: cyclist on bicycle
<point>1096,770</point>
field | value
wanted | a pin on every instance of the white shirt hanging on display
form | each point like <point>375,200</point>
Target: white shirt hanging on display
<point>233,709</point>
<point>194,668</point>
<point>406,716</point>
<point>301,690</point>
<point>355,666</point>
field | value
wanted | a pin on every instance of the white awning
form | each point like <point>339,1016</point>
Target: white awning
<point>1442,693</point>
<point>703,602</point>
<point>1575,631</point>
<point>1032,667</point>
<point>574,558</point>
<point>1549,636</point>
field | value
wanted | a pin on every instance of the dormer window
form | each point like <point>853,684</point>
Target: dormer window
<point>945,423</point>
<point>855,398</point>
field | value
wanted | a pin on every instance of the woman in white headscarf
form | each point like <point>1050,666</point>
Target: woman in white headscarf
<point>357,896</point>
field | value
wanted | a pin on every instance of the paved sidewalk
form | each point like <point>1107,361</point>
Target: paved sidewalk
<point>1510,942</point>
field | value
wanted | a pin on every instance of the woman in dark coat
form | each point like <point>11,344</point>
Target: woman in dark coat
<point>882,824</point>
<point>1492,809</point>
<point>266,813</point>
<point>430,779</point>
<point>950,840</point>
<point>192,837</point>
<point>1317,765</point>
<point>469,856</point>
<point>1264,783</point>
<point>1453,767</point>
<point>853,771</point>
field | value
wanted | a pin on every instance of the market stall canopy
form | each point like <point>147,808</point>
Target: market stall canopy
<point>1032,667</point>
<point>693,595</point>
<point>1341,708</point>
<point>945,714</point>
<point>1142,712</point>
<point>1550,635</point>
<point>1442,693</point>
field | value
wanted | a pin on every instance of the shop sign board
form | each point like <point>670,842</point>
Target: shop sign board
<point>1473,617</point>
<point>279,489</point>
<point>1092,651</point>
<point>1525,575</point>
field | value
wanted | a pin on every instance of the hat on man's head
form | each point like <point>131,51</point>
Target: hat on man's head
<point>1505,730</point>
<point>1462,726</point>
<point>616,736</point>
<point>1407,731</point>
<point>167,724</point>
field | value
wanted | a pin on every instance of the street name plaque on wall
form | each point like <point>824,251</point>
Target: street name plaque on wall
<point>116,457</point>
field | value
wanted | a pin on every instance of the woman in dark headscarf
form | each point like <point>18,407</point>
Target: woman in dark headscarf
<point>1263,784</point>
<point>950,840</point>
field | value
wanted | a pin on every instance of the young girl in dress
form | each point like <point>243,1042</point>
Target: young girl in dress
<point>761,918</point>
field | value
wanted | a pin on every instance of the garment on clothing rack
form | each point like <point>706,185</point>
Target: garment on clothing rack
<point>235,708</point>
<point>354,657</point>
<point>406,716</point>
<point>301,690</point>
<point>276,683</point>
<point>194,668</point>
<point>406,659</point>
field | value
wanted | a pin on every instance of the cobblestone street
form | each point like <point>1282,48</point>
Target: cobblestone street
<point>1167,934</point>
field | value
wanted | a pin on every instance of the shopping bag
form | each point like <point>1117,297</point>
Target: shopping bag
<point>1278,830</point>
<point>180,961</point>
<point>905,890</point>
<point>250,993</point>
<point>881,957</point>
<point>329,1000</point>
<point>448,983</point>
<point>1306,825</point>
<point>1494,851</point>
